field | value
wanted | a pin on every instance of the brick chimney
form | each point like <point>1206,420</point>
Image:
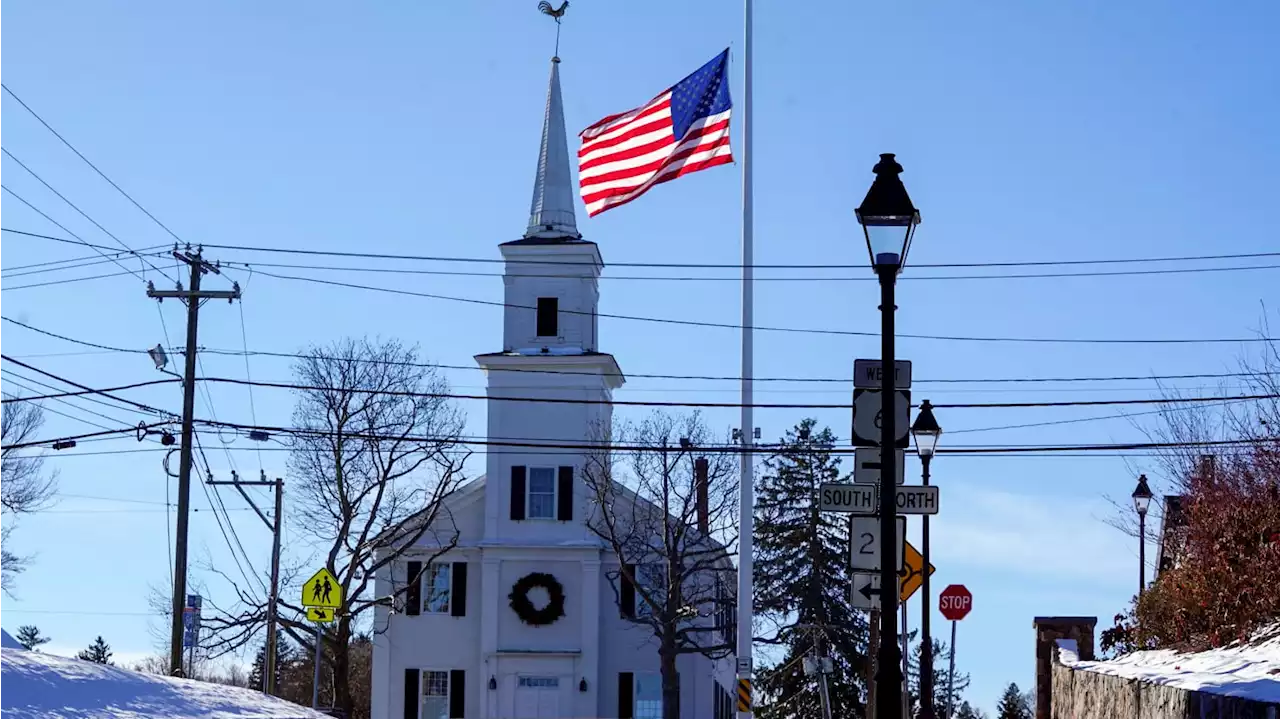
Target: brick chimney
<point>700,487</point>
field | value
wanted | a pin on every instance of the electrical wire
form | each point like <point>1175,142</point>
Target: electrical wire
<point>79,393</point>
<point>766,328</point>
<point>726,378</point>
<point>88,162</point>
<point>36,268</point>
<point>84,214</point>
<point>104,393</point>
<point>59,400</point>
<point>660,278</point>
<point>64,281</point>
<point>81,240</point>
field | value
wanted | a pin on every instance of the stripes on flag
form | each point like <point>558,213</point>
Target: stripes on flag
<point>682,130</point>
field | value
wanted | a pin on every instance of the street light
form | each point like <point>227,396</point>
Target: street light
<point>888,221</point>
<point>1142,502</point>
<point>927,432</point>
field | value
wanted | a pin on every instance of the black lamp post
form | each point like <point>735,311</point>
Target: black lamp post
<point>1141,502</point>
<point>888,220</point>
<point>927,433</point>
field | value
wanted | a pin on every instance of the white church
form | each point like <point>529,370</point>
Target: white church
<point>452,646</point>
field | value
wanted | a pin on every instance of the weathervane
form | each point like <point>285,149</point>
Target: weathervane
<point>546,9</point>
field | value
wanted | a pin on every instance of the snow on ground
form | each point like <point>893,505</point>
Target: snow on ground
<point>8,642</point>
<point>33,684</point>
<point>1248,669</point>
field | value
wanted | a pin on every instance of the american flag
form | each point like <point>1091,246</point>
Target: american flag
<point>682,130</point>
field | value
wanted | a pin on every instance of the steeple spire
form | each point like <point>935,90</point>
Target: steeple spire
<point>551,213</point>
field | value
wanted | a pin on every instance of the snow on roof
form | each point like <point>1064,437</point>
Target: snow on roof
<point>1249,669</point>
<point>9,642</point>
<point>53,687</point>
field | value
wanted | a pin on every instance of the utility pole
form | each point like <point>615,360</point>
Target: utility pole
<point>193,298</point>
<point>873,653</point>
<point>275,524</point>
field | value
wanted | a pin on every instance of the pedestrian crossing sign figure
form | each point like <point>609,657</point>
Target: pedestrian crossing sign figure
<point>322,590</point>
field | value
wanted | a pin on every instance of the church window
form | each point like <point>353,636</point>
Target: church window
<point>436,589</point>
<point>548,316</point>
<point>435,695</point>
<point>542,493</point>
<point>648,695</point>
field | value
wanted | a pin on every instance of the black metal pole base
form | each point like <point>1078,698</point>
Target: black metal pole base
<point>889,672</point>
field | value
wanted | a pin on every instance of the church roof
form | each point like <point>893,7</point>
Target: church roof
<point>551,212</point>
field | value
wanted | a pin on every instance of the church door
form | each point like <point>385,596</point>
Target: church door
<point>538,698</point>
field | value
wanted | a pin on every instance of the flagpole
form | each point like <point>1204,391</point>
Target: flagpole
<point>746,518</point>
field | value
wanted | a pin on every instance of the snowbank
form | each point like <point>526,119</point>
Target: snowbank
<point>8,642</point>
<point>51,687</point>
<point>1249,670</point>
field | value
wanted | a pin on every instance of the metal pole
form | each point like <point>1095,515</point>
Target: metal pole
<point>906,654</point>
<point>951,675</point>
<point>746,499</point>
<point>888,673</point>
<point>315,677</point>
<point>184,470</point>
<point>873,649</point>
<point>270,658</point>
<point>1142,553</point>
<point>926,610</point>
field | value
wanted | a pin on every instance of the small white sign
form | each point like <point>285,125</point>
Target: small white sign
<point>917,499</point>
<point>866,465</point>
<point>744,666</point>
<point>867,417</point>
<point>865,592</point>
<point>869,374</point>
<point>854,498</point>
<point>864,541</point>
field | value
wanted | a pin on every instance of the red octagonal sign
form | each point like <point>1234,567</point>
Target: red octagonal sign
<point>955,602</point>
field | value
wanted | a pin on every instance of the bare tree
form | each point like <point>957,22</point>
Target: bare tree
<point>24,485</point>
<point>668,515</point>
<point>374,451</point>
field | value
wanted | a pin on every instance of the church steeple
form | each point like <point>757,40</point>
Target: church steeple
<point>551,212</point>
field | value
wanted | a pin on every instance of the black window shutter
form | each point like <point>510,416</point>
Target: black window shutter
<point>413,595</point>
<point>628,594</point>
<point>411,694</point>
<point>458,602</point>
<point>517,492</point>
<point>457,694</point>
<point>564,495</point>
<point>626,692</point>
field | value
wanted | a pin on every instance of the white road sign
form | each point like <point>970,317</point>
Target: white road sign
<point>865,592</point>
<point>867,417</point>
<point>917,499</point>
<point>855,498</point>
<point>868,374</point>
<point>866,465</point>
<point>864,540</point>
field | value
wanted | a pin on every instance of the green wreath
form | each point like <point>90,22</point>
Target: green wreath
<point>524,608</point>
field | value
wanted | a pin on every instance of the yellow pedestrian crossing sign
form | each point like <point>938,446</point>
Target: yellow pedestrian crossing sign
<point>322,590</point>
<point>323,615</point>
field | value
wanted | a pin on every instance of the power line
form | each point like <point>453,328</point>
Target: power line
<point>59,400</point>
<point>67,264</point>
<point>88,162</point>
<point>83,214</point>
<point>78,393</point>
<point>65,281</point>
<point>727,405</point>
<point>727,378</point>
<point>809,278</point>
<point>765,328</point>
<point>23,200</point>
<point>90,390</point>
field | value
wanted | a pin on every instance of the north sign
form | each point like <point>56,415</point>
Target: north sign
<point>867,417</point>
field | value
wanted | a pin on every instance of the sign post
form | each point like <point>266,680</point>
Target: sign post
<point>955,602</point>
<point>323,597</point>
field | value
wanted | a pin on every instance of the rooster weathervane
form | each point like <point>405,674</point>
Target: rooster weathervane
<point>546,9</point>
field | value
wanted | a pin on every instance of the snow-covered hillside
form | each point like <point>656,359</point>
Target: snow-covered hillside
<point>34,684</point>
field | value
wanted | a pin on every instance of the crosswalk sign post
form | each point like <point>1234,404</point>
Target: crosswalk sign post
<point>322,595</point>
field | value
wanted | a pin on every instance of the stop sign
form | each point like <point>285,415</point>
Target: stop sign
<point>955,602</point>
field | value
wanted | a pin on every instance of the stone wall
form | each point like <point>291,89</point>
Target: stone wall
<point>1065,692</point>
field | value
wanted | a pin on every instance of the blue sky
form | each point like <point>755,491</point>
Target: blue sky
<point>1029,131</point>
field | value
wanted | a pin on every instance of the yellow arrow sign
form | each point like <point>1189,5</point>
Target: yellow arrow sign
<point>323,615</point>
<point>322,590</point>
<point>912,575</point>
